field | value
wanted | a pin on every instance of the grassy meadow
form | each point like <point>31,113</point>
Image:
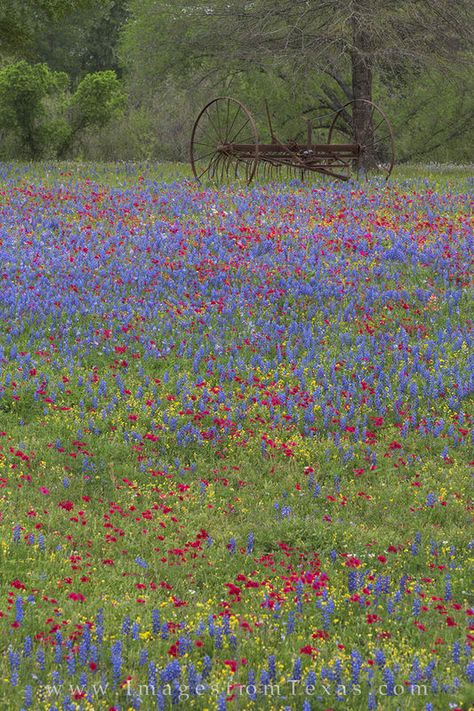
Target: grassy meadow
<point>235,441</point>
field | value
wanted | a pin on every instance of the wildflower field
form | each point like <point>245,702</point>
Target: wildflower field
<point>235,443</point>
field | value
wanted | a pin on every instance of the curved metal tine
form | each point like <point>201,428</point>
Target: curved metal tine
<point>211,162</point>
<point>222,168</point>
<point>217,167</point>
<point>212,167</point>
<point>225,169</point>
<point>250,170</point>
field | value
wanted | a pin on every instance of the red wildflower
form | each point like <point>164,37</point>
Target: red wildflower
<point>308,649</point>
<point>232,664</point>
<point>66,505</point>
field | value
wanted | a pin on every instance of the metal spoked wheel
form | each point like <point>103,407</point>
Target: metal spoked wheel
<point>376,140</point>
<point>223,122</point>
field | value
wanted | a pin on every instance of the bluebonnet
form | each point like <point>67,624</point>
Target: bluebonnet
<point>27,646</point>
<point>116,659</point>
<point>447,588</point>
<point>271,666</point>
<point>18,609</point>
<point>28,699</point>
<point>296,674</point>
<point>290,625</point>
<point>156,623</point>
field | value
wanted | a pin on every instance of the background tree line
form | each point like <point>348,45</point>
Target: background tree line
<point>124,79</point>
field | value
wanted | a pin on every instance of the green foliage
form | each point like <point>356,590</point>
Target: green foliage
<point>433,117</point>
<point>155,42</point>
<point>23,90</point>
<point>40,118</point>
<point>20,20</point>
<point>98,98</point>
<point>83,41</point>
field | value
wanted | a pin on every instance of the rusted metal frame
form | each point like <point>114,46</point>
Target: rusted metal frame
<point>334,163</point>
<point>351,149</point>
<point>318,168</point>
<point>326,158</point>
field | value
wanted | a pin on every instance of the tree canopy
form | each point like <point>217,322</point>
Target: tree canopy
<point>21,19</point>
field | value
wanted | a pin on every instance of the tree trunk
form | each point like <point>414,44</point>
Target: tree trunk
<point>362,127</point>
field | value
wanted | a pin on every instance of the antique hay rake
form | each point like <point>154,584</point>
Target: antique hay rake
<point>225,144</point>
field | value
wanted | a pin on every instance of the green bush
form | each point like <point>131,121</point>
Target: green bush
<point>98,98</point>
<point>23,90</point>
<point>40,118</point>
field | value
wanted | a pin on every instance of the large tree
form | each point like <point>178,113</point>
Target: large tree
<point>82,41</point>
<point>21,19</point>
<point>351,41</point>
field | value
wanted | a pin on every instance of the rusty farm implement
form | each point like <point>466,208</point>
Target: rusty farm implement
<point>225,145</point>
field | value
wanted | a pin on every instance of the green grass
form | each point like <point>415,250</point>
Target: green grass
<point>361,499</point>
